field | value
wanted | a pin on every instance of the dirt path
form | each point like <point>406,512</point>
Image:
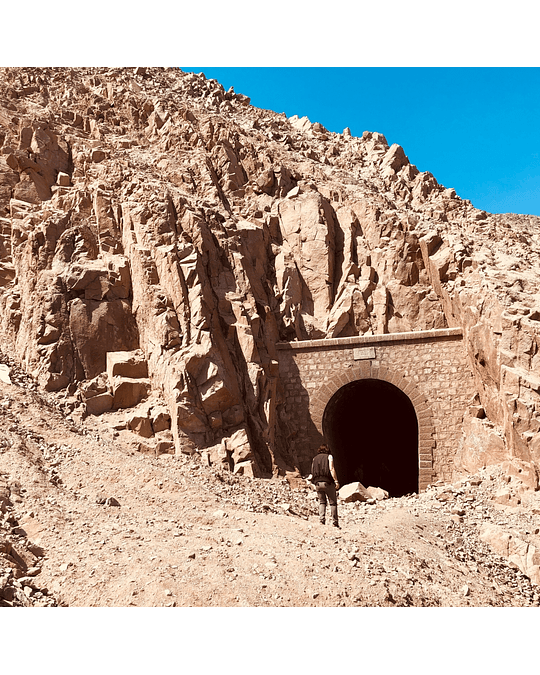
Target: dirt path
<point>177,533</point>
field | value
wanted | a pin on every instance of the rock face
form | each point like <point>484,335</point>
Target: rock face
<point>522,554</point>
<point>149,210</point>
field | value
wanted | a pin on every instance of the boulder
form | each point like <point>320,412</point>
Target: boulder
<point>128,392</point>
<point>95,386</point>
<point>165,447</point>
<point>126,364</point>
<point>354,492</point>
<point>239,447</point>
<point>504,496</point>
<point>4,497</point>
<point>521,472</point>
<point>395,159</point>
<point>156,447</point>
<point>161,419</point>
<point>146,448</point>
<point>377,493</point>
<point>97,405</point>
<point>140,424</point>
<point>217,455</point>
<point>96,395</point>
<point>31,188</point>
<point>481,445</point>
<point>97,155</point>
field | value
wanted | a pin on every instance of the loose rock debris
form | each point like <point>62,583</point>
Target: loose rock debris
<point>175,161</point>
<point>186,534</point>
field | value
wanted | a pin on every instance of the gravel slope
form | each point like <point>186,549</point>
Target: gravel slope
<point>97,524</point>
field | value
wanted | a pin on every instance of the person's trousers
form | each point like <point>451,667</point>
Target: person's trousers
<point>327,491</point>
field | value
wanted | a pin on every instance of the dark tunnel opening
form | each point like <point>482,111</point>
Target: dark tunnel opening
<point>372,430</point>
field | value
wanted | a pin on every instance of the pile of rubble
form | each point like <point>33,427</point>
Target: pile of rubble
<point>20,559</point>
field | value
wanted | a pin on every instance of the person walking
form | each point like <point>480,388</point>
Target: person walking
<point>324,478</point>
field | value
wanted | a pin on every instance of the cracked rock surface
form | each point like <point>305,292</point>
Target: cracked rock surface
<point>147,209</point>
<point>89,522</point>
<point>158,237</point>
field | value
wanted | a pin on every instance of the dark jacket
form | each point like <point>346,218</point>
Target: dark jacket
<point>320,469</point>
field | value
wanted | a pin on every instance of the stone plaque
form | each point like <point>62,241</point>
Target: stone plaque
<point>363,353</point>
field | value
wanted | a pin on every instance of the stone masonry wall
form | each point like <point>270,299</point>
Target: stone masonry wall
<point>429,366</point>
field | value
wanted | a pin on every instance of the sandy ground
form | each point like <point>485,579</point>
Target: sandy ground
<point>180,534</point>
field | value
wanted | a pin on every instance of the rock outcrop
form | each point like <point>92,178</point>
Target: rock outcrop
<point>151,210</point>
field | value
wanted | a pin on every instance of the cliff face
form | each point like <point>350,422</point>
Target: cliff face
<point>148,209</point>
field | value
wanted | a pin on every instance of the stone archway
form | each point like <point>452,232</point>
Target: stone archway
<point>339,398</point>
<point>372,429</point>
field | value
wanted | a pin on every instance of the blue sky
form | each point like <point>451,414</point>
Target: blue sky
<point>475,129</point>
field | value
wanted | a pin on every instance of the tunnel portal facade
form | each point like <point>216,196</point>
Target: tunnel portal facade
<point>389,406</point>
<point>372,428</point>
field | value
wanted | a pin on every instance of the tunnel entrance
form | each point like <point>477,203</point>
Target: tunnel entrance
<point>372,430</point>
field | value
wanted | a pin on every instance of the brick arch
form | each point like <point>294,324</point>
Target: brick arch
<point>421,406</point>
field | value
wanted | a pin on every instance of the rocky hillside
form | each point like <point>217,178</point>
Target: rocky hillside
<point>86,521</point>
<point>149,211</point>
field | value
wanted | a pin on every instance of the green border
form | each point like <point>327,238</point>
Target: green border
<point>276,34</point>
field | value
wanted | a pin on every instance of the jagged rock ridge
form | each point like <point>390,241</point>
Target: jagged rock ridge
<point>149,211</point>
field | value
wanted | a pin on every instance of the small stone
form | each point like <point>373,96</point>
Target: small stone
<point>111,501</point>
<point>191,556</point>
<point>97,155</point>
<point>466,590</point>
<point>315,595</point>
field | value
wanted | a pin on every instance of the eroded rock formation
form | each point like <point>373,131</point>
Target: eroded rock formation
<point>149,209</point>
